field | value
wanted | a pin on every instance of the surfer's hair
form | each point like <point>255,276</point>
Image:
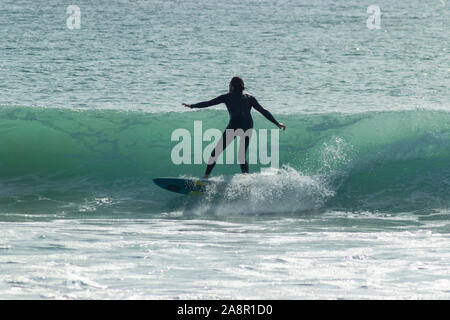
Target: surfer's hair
<point>238,84</point>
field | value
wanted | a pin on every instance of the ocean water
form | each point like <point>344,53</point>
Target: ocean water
<point>359,208</point>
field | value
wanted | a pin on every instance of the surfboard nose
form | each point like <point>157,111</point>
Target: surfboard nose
<point>172,184</point>
<point>160,182</point>
<point>182,185</point>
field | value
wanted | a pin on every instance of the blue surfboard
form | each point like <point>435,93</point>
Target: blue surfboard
<point>183,185</point>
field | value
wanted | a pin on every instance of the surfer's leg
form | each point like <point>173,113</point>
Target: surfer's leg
<point>225,140</point>
<point>243,147</point>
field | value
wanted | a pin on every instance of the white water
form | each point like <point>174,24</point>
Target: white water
<point>256,257</point>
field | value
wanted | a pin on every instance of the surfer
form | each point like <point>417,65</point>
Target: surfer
<point>239,105</point>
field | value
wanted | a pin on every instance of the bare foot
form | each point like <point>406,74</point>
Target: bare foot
<point>206,176</point>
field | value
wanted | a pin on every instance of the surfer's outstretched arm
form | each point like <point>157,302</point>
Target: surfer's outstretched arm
<point>213,102</point>
<point>266,113</point>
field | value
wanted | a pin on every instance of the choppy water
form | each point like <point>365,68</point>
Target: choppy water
<point>360,207</point>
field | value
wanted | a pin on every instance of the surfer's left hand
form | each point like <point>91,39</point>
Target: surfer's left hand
<point>187,105</point>
<point>281,126</point>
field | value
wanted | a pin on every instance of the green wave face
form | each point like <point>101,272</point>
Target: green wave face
<point>381,160</point>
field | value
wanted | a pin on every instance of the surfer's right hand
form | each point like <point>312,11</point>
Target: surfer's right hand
<point>187,105</point>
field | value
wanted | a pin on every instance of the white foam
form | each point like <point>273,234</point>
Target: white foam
<point>283,190</point>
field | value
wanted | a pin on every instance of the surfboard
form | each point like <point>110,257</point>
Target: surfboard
<point>183,185</point>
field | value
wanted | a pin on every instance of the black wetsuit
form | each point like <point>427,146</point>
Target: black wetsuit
<point>239,106</point>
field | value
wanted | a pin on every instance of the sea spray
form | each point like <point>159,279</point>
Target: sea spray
<point>283,190</point>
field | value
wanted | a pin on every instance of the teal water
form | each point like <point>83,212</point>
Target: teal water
<point>359,208</point>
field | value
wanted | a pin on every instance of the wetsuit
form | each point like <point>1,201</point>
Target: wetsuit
<point>239,106</point>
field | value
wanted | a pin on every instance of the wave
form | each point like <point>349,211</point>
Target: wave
<point>395,160</point>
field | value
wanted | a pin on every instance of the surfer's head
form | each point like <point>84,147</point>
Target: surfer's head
<point>237,85</point>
